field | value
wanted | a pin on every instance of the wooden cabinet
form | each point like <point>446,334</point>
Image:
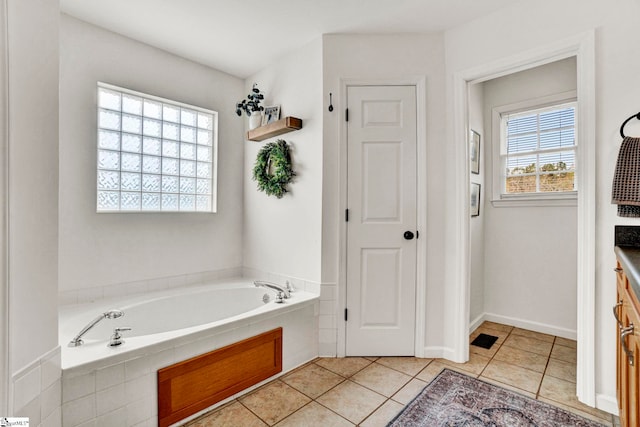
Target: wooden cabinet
<point>626,310</point>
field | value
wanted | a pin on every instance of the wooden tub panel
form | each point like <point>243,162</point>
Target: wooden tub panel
<point>197,383</point>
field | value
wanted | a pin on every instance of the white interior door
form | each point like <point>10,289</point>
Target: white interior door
<point>381,227</point>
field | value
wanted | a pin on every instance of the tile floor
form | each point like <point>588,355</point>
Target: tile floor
<point>370,391</point>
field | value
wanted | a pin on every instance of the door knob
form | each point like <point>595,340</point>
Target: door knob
<point>408,235</point>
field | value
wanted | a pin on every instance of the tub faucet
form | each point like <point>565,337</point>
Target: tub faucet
<point>111,314</point>
<point>274,286</point>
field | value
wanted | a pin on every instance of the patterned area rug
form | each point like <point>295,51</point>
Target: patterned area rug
<point>454,399</point>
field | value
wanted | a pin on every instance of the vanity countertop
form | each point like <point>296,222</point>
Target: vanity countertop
<point>627,249</point>
<point>629,257</point>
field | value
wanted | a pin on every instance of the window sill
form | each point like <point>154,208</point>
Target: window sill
<point>570,199</point>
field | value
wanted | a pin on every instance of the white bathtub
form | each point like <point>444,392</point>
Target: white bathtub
<point>118,384</point>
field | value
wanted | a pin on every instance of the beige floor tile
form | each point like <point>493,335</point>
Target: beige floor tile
<point>564,392</point>
<point>496,326</point>
<point>583,414</point>
<point>508,387</point>
<point>382,415</point>
<point>407,365</point>
<point>486,352</point>
<point>372,358</point>
<point>560,369</point>
<point>274,401</point>
<point>345,366</point>
<point>519,359</point>
<point>475,365</point>
<point>522,358</point>
<point>502,335</point>
<point>314,415</point>
<point>434,368</point>
<point>513,375</point>
<point>231,415</point>
<point>566,354</point>
<point>566,342</point>
<point>529,344</point>
<point>312,380</point>
<point>409,391</point>
<point>531,334</point>
<point>381,379</point>
<point>351,400</point>
<point>431,371</point>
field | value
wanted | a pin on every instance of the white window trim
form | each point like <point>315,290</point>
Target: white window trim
<point>568,198</point>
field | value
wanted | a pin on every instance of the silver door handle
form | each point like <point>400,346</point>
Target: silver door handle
<point>615,313</point>
<point>623,334</point>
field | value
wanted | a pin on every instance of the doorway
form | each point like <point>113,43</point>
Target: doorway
<point>523,238</point>
<point>583,48</point>
<point>381,221</point>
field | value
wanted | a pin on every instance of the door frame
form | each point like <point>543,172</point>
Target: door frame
<point>419,82</point>
<point>582,46</point>
<point>5,406</point>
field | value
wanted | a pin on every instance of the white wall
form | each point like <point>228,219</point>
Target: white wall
<point>477,226</point>
<point>29,55</point>
<point>283,236</point>
<point>498,36</point>
<point>383,58</point>
<point>33,178</point>
<point>105,249</point>
<point>4,284</point>
<point>530,252</point>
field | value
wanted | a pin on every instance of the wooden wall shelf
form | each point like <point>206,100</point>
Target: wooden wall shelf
<point>288,124</point>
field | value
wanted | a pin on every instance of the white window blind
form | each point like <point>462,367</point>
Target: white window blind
<point>539,150</point>
<point>154,154</point>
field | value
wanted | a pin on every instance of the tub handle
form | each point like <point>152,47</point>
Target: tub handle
<point>116,338</point>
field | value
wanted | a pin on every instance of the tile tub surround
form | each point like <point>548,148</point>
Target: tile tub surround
<point>96,293</point>
<point>370,391</point>
<point>36,391</point>
<point>123,392</point>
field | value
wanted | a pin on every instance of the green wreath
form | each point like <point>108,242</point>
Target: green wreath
<point>272,169</point>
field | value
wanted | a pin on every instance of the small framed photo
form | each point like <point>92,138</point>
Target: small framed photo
<point>475,199</point>
<point>474,151</point>
<point>271,114</point>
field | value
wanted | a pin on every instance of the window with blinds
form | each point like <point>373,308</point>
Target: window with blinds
<point>538,152</point>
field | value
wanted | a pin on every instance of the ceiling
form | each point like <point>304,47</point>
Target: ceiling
<point>241,37</point>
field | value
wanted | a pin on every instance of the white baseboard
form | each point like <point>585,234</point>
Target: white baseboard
<point>438,352</point>
<point>526,324</point>
<point>607,403</point>
<point>475,323</point>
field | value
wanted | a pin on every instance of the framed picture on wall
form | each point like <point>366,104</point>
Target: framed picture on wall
<point>475,199</point>
<point>271,114</point>
<point>474,151</point>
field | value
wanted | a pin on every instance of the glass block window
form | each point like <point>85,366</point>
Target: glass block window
<point>539,150</point>
<point>154,155</point>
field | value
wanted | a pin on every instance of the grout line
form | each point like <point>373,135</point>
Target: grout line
<point>544,373</point>
<point>411,378</point>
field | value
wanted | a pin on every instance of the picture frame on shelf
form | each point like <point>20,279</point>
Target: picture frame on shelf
<point>475,199</point>
<point>271,114</point>
<point>474,151</point>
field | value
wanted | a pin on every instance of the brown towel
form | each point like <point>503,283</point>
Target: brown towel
<point>626,180</point>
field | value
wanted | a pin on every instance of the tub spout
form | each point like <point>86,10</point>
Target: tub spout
<point>274,286</point>
<point>111,314</point>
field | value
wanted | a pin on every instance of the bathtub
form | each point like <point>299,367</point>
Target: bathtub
<point>117,385</point>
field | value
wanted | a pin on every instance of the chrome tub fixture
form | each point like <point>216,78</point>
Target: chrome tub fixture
<point>282,292</point>
<point>110,314</point>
